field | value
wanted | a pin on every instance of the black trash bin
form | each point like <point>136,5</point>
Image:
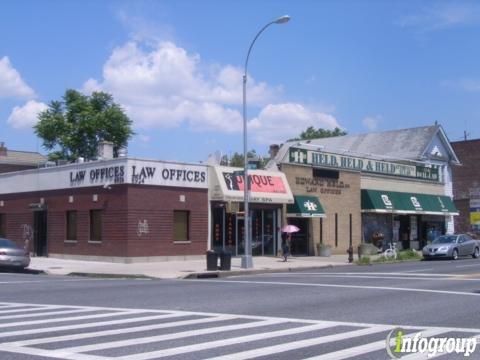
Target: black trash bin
<point>225,260</point>
<point>212,260</point>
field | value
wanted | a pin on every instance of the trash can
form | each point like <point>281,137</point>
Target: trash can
<point>225,260</point>
<point>212,260</point>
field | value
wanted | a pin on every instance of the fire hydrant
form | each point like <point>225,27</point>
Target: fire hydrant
<point>350,254</point>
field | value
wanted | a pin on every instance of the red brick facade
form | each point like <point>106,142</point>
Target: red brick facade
<point>466,180</point>
<point>123,207</point>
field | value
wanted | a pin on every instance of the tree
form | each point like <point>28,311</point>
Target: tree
<point>311,133</point>
<point>236,160</point>
<point>74,126</point>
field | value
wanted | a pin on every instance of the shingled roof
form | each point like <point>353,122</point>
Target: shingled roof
<point>404,144</point>
<point>15,157</point>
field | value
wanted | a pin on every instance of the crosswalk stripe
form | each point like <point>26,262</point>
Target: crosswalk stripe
<point>58,354</point>
<point>249,338</point>
<point>22,310</point>
<point>60,312</point>
<point>63,319</point>
<point>293,345</point>
<point>145,328</point>
<point>170,336</point>
<point>86,325</point>
<point>367,348</point>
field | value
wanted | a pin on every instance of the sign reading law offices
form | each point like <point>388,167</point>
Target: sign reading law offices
<point>320,158</point>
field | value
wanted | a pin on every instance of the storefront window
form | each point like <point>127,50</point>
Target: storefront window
<point>256,232</point>
<point>218,227</point>
<point>377,229</point>
<point>180,225</point>
<point>71,218</point>
<point>95,225</point>
<point>269,232</point>
<point>3,225</point>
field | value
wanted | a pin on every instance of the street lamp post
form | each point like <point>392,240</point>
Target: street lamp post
<point>247,262</point>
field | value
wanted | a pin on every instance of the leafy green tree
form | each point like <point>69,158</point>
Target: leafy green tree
<point>311,133</point>
<point>236,160</point>
<point>74,126</point>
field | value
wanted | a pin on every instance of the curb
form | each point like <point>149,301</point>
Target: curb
<point>221,274</point>
<point>112,276</point>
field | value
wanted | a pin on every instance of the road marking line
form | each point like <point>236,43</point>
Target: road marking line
<point>172,336</point>
<point>44,314</point>
<point>241,339</point>
<point>418,270</point>
<point>73,318</point>
<point>87,325</point>
<point>147,328</point>
<point>293,345</point>
<point>363,287</point>
<point>464,266</point>
<point>360,273</point>
<point>390,277</point>
<point>28,309</point>
<point>51,353</point>
<point>367,348</point>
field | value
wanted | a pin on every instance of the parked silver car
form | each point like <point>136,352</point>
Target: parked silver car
<point>12,255</point>
<point>452,246</point>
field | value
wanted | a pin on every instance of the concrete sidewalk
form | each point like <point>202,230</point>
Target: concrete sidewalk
<point>179,269</point>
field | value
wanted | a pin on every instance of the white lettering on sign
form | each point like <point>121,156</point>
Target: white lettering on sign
<point>310,205</point>
<point>386,200</point>
<point>415,202</point>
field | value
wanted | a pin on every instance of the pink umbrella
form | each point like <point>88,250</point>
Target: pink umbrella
<point>290,229</point>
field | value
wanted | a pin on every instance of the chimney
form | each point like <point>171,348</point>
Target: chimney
<point>3,149</point>
<point>273,150</point>
<point>105,150</point>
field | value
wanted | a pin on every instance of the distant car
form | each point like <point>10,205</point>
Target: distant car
<point>12,255</point>
<point>452,246</point>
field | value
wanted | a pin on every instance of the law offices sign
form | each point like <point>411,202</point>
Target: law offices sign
<point>325,159</point>
<point>106,173</point>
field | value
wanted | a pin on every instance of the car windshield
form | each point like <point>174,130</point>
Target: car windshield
<point>445,240</point>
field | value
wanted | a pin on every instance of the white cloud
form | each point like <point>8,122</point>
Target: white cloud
<point>443,15</point>
<point>277,123</point>
<point>165,86</point>
<point>11,83</point>
<point>465,84</point>
<point>26,116</point>
<point>371,122</point>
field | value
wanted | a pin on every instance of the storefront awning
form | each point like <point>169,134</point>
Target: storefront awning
<point>267,187</point>
<point>406,203</point>
<point>305,206</point>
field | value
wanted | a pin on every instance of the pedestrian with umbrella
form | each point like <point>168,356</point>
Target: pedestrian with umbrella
<point>288,229</point>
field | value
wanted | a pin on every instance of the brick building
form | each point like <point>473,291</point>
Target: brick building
<point>466,186</point>
<point>373,188</point>
<point>120,209</point>
<point>12,160</point>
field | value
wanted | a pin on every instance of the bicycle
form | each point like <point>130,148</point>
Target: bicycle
<point>391,252</point>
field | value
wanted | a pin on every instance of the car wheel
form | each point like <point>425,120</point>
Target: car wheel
<point>455,254</point>
<point>476,253</point>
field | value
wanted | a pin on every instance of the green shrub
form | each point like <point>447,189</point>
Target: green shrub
<point>364,260</point>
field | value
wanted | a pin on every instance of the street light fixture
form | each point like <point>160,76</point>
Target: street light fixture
<point>247,261</point>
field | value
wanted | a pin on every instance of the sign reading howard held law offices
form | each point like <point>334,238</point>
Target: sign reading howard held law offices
<point>320,158</point>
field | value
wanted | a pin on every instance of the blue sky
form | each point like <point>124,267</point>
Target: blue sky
<point>176,68</point>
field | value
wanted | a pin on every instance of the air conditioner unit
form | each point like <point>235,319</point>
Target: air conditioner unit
<point>233,207</point>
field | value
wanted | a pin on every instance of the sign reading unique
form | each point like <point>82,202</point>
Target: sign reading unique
<point>317,158</point>
<point>258,183</point>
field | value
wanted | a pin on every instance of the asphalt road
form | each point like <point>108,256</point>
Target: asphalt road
<point>338,313</point>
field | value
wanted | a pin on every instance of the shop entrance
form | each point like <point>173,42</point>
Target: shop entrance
<point>300,239</point>
<point>40,233</point>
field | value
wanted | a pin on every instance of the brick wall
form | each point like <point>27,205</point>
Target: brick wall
<point>123,206</point>
<point>155,206</point>
<point>465,178</point>
<point>343,204</point>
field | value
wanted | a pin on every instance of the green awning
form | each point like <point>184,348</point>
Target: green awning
<point>406,203</point>
<point>305,206</point>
